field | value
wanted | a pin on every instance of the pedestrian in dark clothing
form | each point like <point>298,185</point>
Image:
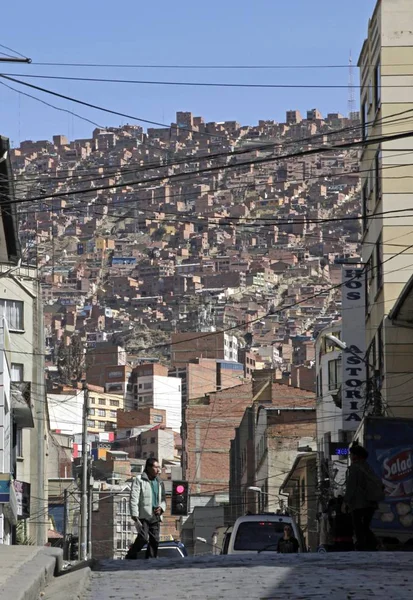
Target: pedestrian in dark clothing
<point>147,504</point>
<point>288,544</point>
<point>363,492</point>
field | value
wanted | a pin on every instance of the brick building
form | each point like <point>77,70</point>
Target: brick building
<point>192,345</point>
<point>266,444</point>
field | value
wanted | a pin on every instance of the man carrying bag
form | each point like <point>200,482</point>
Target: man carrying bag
<point>147,504</point>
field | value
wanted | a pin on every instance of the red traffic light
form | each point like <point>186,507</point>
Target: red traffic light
<point>180,489</point>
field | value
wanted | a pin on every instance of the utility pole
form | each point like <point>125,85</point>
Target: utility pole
<point>90,509</point>
<point>85,478</point>
<point>65,519</point>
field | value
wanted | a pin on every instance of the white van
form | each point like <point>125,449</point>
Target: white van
<point>261,533</point>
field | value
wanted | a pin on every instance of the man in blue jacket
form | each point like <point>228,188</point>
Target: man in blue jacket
<point>147,504</point>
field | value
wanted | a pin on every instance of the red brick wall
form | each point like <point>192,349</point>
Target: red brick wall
<point>141,416</point>
<point>209,431</point>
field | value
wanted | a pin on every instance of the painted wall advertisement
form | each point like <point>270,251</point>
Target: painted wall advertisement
<point>390,446</point>
<point>353,335</point>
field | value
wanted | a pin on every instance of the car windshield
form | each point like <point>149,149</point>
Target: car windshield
<point>257,535</point>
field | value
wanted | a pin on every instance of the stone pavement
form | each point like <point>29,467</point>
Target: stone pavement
<point>344,576</point>
<point>26,570</point>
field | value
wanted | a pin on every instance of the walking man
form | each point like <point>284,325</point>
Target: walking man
<point>147,504</point>
<point>363,492</point>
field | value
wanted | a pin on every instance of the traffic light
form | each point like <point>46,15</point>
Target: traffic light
<point>74,548</point>
<point>180,498</point>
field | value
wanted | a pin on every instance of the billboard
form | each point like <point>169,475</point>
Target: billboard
<point>354,356</point>
<point>390,446</point>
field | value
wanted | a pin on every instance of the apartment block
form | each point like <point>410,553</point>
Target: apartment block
<point>386,72</point>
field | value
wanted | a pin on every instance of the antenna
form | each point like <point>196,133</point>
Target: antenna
<point>350,101</point>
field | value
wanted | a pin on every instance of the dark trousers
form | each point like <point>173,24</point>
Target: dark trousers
<point>149,534</point>
<point>365,538</point>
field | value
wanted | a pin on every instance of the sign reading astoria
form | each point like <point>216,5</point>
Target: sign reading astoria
<point>353,335</point>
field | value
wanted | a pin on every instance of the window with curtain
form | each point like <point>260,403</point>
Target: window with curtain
<point>12,311</point>
<point>16,373</point>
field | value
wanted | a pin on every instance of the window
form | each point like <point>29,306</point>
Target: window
<point>102,401</point>
<point>377,174</point>
<point>256,535</point>
<point>113,414</point>
<point>379,263</point>
<point>101,412</point>
<point>140,386</point>
<point>153,440</point>
<point>17,371</point>
<point>377,85</point>
<point>147,386</point>
<point>12,311</point>
<point>90,423</point>
<point>370,272</point>
<point>124,533</point>
<point>114,402</point>
<point>19,443</point>
<point>333,375</point>
<point>92,412</point>
<point>157,418</point>
<point>370,95</point>
<point>380,350</point>
<point>364,200</point>
<point>364,127</point>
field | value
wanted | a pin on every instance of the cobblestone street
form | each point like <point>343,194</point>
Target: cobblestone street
<point>342,576</point>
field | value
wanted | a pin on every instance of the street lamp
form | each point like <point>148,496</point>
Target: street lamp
<point>258,490</point>
<point>334,340</point>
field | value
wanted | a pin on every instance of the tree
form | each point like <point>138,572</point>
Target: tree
<point>71,360</point>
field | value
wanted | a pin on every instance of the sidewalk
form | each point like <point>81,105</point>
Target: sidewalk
<point>26,570</point>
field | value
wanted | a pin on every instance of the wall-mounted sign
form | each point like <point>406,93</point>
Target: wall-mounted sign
<point>354,356</point>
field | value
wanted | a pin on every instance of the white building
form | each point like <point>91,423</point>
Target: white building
<point>157,391</point>
<point>66,412</point>
<point>8,501</point>
<point>331,439</point>
<point>154,389</point>
<point>21,306</point>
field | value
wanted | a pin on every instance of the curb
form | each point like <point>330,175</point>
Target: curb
<point>68,586</point>
<point>33,576</point>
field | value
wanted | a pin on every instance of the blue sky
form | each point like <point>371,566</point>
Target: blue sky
<point>184,32</point>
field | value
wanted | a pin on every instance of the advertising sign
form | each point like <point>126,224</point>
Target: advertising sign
<point>390,447</point>
<point>22,490</point>
<point>353,358</point>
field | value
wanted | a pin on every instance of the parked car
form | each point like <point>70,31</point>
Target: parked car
<point>261,533</point>
<point>168,550</point>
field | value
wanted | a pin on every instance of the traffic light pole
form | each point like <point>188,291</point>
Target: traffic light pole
<point>84,503</point>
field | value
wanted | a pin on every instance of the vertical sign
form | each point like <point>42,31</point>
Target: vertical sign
<point>353,335</point>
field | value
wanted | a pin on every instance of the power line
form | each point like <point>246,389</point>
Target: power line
<point>113,112</point>
<point>11,50</point>
<point>52,105</point>
<point>203,83</point>
<point>311,151</point>
<point>193,66</point>
<point>210,156</point>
